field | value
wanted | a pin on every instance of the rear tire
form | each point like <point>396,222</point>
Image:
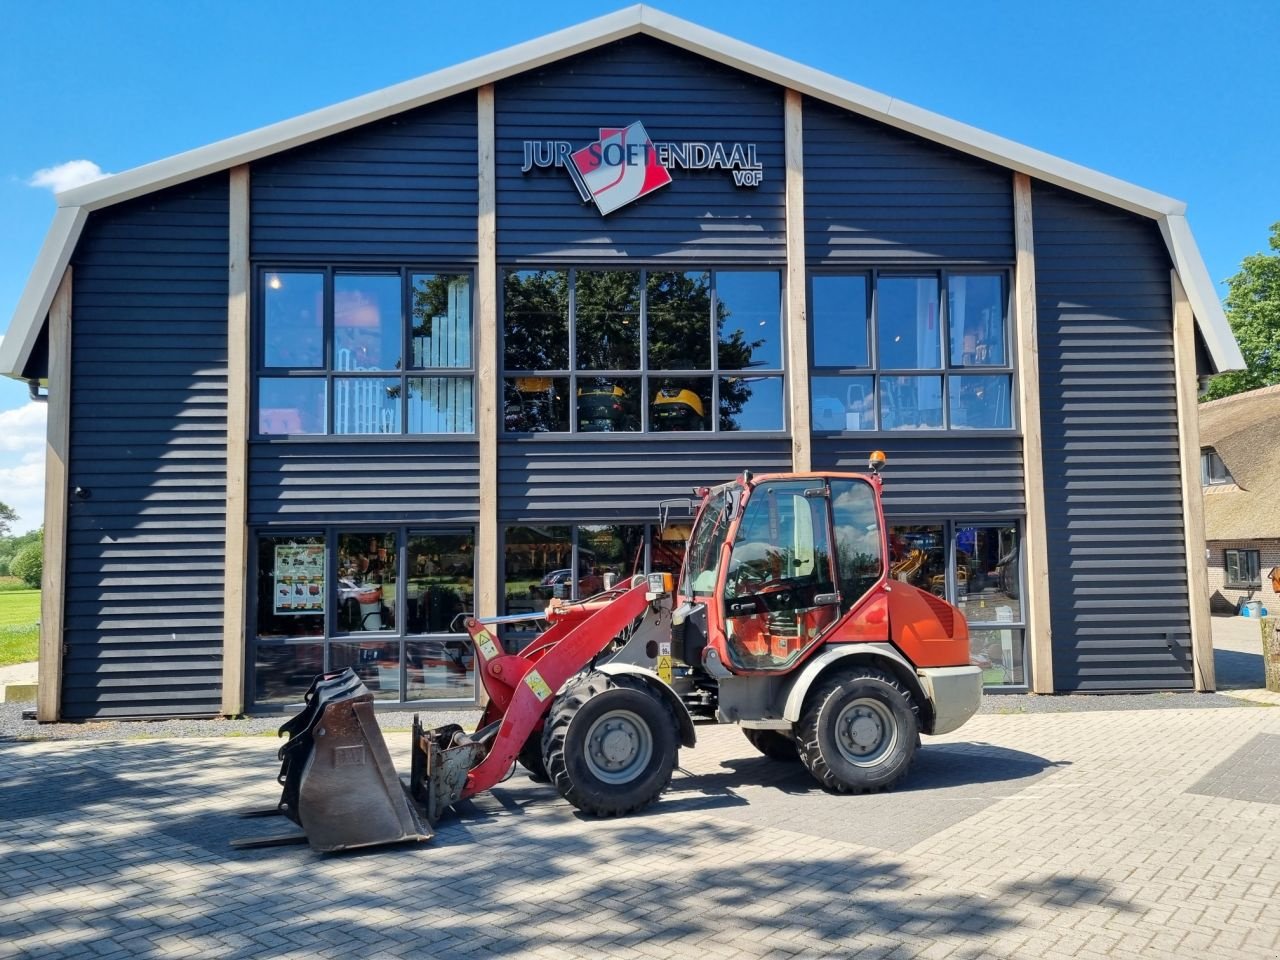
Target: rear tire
<point>610,744</point>
<point>859,731</point>
<point>774,744</point>
<point>530,758</point>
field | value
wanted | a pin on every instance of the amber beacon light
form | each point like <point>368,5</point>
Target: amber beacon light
<point>876,461</point>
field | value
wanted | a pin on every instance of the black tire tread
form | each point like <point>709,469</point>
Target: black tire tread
<point>807,730</point>
<point>556,727</point>
<point>774,744</point>
<point>530,758</point>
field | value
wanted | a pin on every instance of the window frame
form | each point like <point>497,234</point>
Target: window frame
<point>643,374</point>
<point>1253,560</point>
<point>1209,477</point>
<point>328,374</point>
<point>945,372</point>
<point>331,635</point>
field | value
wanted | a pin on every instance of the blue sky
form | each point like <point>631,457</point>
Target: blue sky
<point>1175,95</point>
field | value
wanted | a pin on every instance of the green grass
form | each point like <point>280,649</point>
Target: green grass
<point>19,632</point>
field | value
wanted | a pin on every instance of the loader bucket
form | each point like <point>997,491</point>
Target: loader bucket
<point>339,782</point>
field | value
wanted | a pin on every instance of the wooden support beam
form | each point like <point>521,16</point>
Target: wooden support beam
<point>797,313</point>
<point>487,385</point>
<point>1184,366</point>
<point>1035,545</point>
<point>236,570</point>
<point>56,494</point>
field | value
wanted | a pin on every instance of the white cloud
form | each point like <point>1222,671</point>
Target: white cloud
<point>22,440</point>
<point>65,176</point>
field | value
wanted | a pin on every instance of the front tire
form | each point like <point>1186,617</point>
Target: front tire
<point>774,744</point>
<point>610,745</point>
<point>859,731</point>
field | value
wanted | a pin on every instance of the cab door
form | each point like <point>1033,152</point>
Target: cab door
<point>780,593</point>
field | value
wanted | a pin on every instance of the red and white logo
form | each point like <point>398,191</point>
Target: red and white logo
<point>621,166</point>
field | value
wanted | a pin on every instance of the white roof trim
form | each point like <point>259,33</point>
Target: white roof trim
<point>639,19</point>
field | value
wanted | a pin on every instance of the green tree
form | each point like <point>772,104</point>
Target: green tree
<point>28,565</point>
<point>8,517</point>
<point>1253,309</point>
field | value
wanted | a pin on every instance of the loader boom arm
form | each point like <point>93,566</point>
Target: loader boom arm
<point>522,685</point>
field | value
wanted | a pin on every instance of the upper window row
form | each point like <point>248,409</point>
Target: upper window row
<point>591,351</point>
<point>903,352</point>
<point>336,355</point>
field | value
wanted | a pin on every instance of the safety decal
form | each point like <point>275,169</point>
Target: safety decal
<point>484,640</point>
<point>533,680</point>
<point>664,669</point>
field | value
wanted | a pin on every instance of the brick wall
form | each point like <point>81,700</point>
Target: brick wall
<point>1224,599</point>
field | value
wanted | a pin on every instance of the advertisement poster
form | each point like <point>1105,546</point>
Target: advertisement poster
<point>299,579</point>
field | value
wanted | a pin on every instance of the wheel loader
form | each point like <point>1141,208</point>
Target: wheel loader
<point>785,621</point>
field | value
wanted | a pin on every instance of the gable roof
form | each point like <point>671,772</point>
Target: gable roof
<point>76,204</point>
<point>1244,430</point>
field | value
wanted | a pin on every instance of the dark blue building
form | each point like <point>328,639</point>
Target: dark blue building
<point>317,390</point>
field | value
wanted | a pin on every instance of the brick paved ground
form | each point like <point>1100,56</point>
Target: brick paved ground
<point>1083,835</point>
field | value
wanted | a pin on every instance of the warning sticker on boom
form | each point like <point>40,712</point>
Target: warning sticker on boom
<point>664,669</point>
<point>533,680</point>
<point>488,649</point>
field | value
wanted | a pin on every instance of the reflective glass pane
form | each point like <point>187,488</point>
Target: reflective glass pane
<point>366,589</point>
<point>293,323</point>
<point>980,402</point>
<point>608,554</point>
<point>679,318</point>
<point>440,669</point>
<point>750,403</point>
<point>1000,655</point>
<point>987,578</point>
<point>366,405</point>
<point>918,556</point>
<point>441,405</point>
<point>608,404</point>
<point>749,319</point>
<point>911,403</point>
<point>607,317</point>
<point>907,331</point>
<point>535,320</point>
<point>975,315</point>
<point>536,562</point>
<point>857,525</point>
<point>679,403</point>
<point>535,404</point>
<point>839,316</point>
<point>282,672</point>
<point>441,581</point>
<point>291,573</point>
<point>292,405</point>
<point>376,662</point>
<point>843,403</point>
<point>367,326</point>
<point>441,335</point>
<point>667,545</point>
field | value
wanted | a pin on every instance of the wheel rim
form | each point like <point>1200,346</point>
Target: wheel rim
<point>619,746</point>
<point>865,732</point>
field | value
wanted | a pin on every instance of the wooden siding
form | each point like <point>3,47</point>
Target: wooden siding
<point>937,478</point>
<point>874,195</point>
<point>148,446</point>
<point>699,217</point>
<point>398,190</point>
<point>1117,555</point>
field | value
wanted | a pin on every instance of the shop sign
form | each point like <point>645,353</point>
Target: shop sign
<point>299,576</point>
<point>625,165</point>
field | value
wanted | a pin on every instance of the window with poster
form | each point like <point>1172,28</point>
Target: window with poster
<point>387,602</point>
<point>978,567</point>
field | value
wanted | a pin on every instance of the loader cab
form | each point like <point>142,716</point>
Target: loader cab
<point>802,551</point>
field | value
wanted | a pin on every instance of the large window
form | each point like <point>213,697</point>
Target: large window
<point>364,352</point>
<point>1244,569</point>
<point>925,351</point>
<point>978,568</point>
<point>387,602</point>
<point>627,351</point>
